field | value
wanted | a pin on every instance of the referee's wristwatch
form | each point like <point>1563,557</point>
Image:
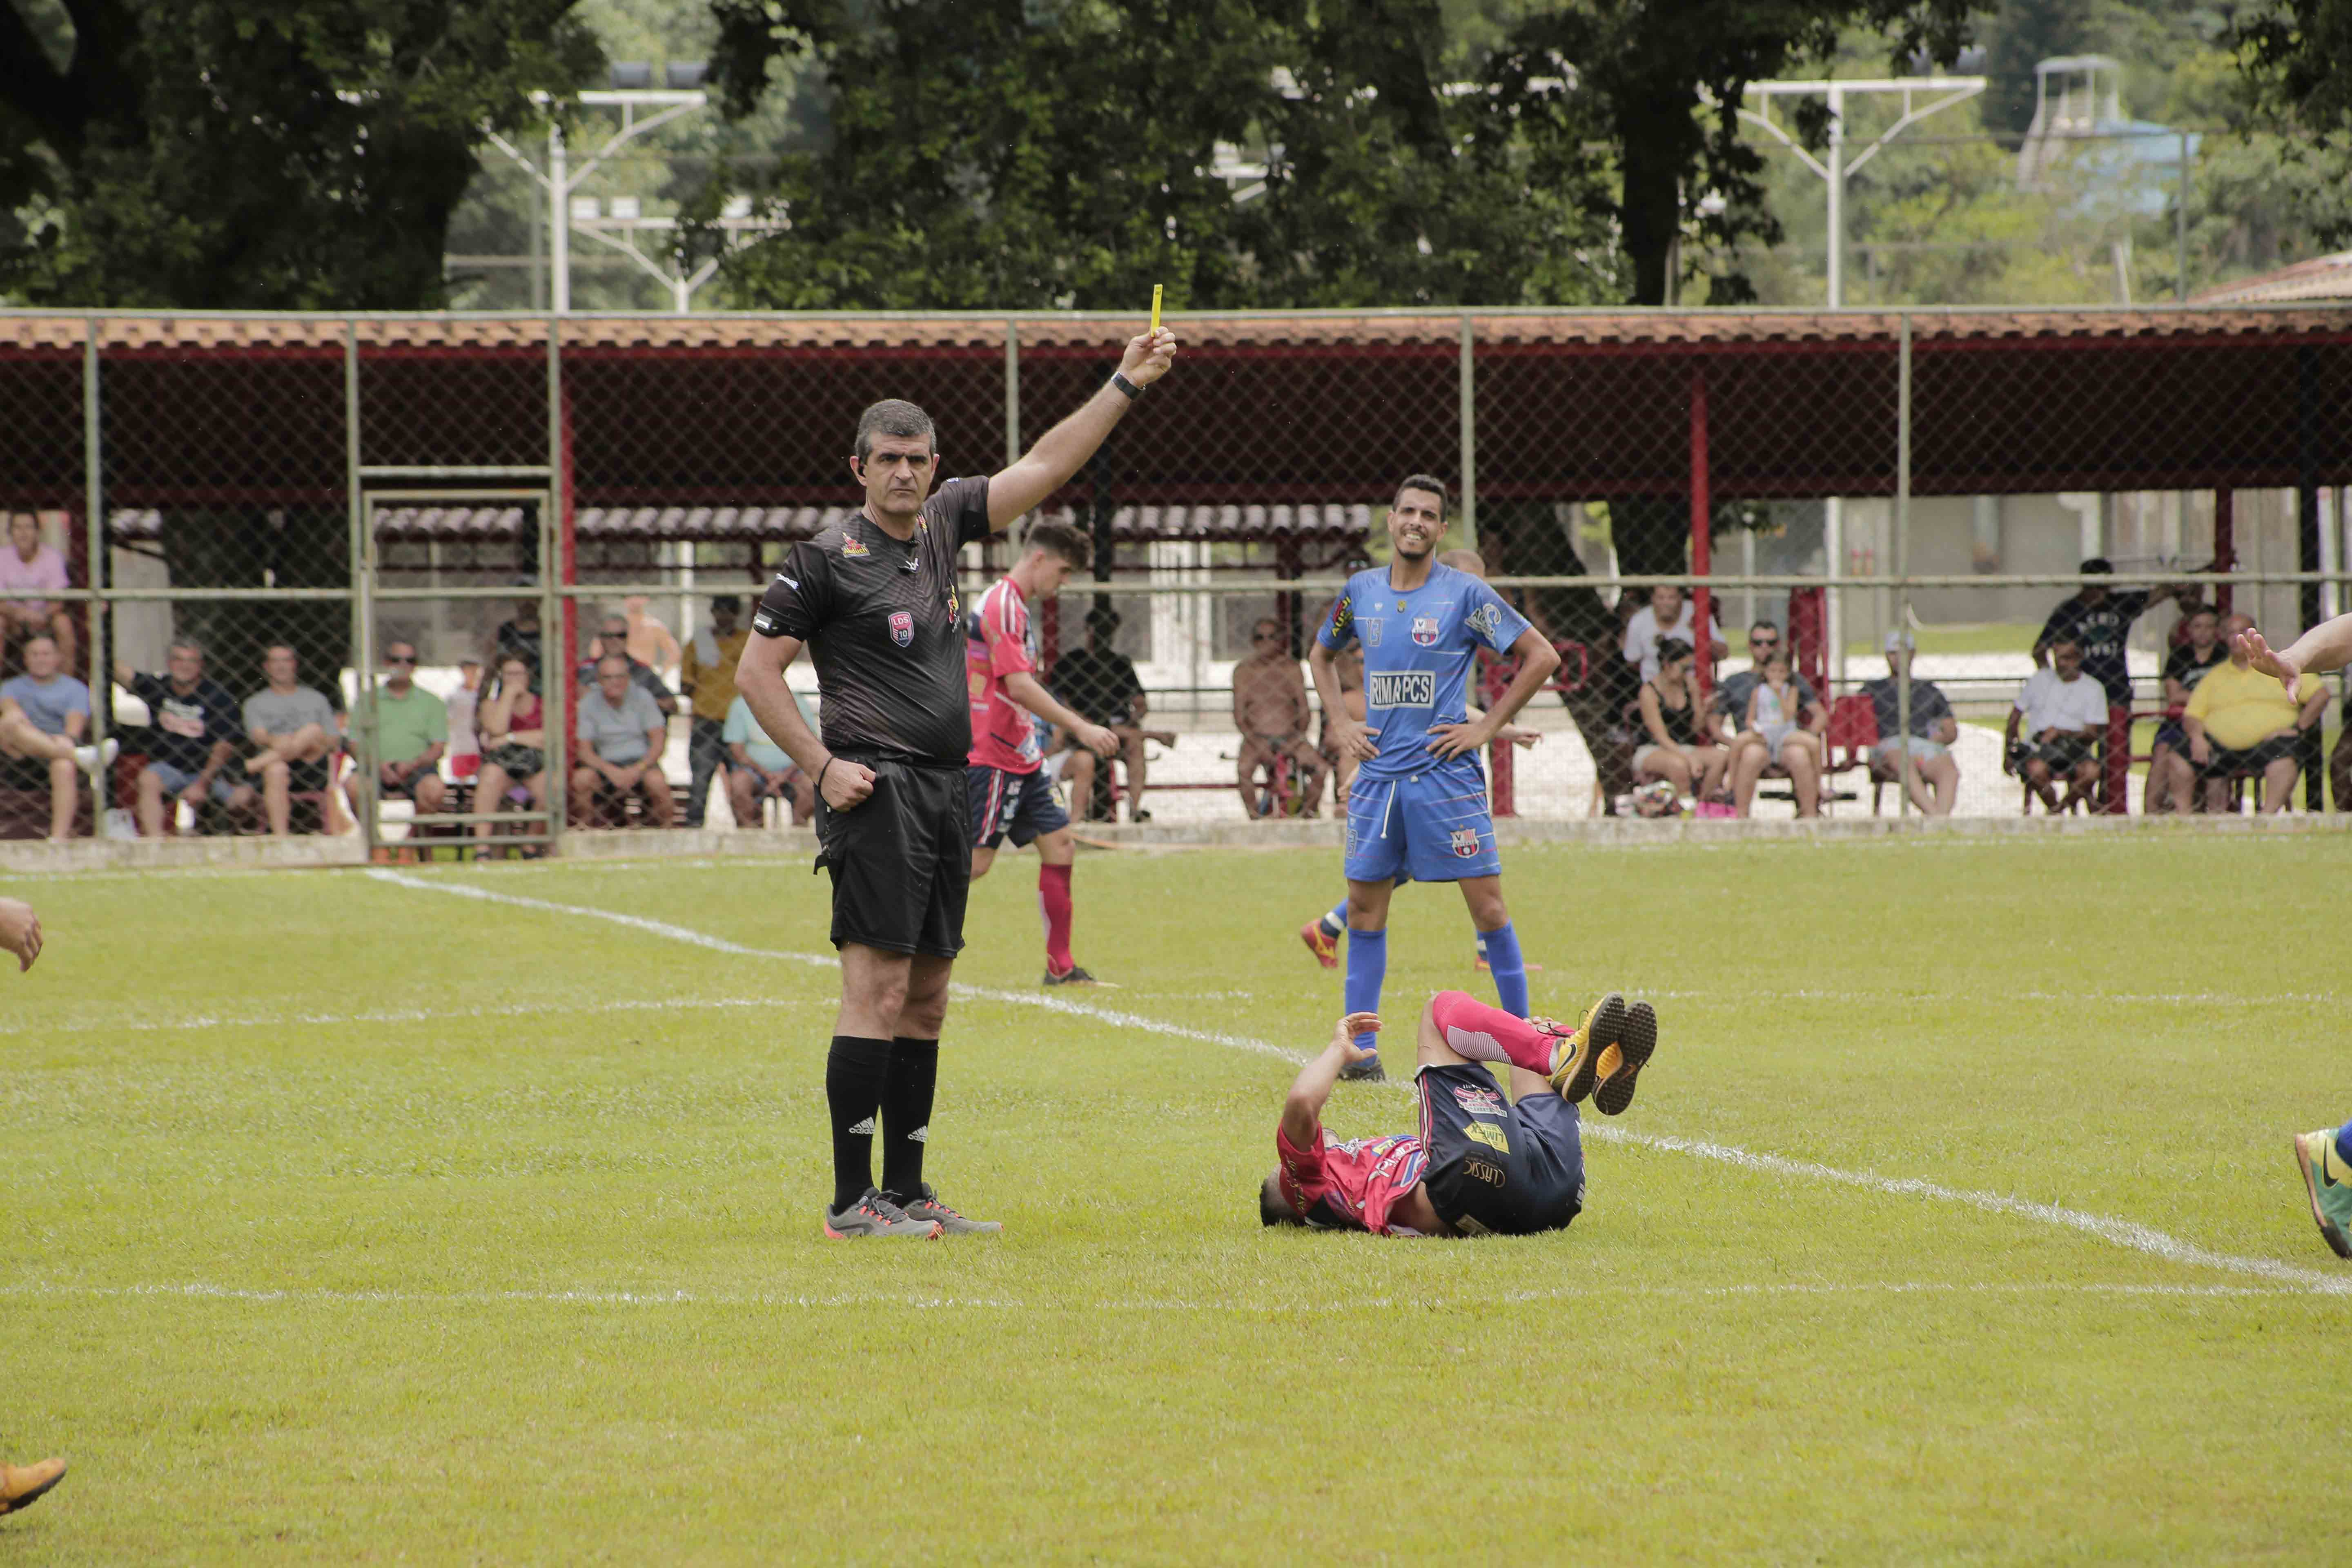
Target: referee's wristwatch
<point>1118,379</point>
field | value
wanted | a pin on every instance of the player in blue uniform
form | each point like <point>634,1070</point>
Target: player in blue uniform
<point>1418,804</point>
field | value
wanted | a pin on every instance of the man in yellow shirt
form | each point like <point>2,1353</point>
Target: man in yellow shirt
<point>2241,720</point>
<point>706,673</point>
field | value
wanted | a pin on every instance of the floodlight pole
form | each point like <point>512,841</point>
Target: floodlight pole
<point>1955,90</point>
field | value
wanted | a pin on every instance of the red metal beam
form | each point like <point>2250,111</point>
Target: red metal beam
<point>1702,528</point>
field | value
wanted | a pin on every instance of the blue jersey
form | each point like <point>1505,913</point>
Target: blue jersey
<point>1420,651</point>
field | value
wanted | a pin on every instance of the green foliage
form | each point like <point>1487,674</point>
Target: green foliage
<point>301,153</point>
<point>2295,53</point>
<point>1003,155</point>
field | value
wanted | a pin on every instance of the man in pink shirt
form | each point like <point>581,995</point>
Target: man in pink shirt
<point>26,563</point>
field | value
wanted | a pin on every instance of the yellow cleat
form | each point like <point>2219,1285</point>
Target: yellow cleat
<point>1576,1063</point>
<point>21,1485</point>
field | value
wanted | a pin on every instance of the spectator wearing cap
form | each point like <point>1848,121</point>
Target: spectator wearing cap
<point>2241,721</point>
<point>621,732</point>
<point>521,634</point>
<point>2097,618</point>
<point>1099,683</point>
<point>613,638</point>
<point>1667,615</point>
<point>411,735</point>
<point>2063,712</point>
<point>294,729</point>
<point>2171,780</point>
<point>29,565</point>
<point>707,676</point>
<point>1923,762</point>
<point>194,729</point>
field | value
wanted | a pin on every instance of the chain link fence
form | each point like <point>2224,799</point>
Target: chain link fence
<point>348,576</point>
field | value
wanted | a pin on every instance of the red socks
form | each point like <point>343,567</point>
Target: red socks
<point>1487,1034</point>
<point>1054,903</point>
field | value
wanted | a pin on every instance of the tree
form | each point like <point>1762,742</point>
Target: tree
<point>258,153</point>
<point>1004,154</point>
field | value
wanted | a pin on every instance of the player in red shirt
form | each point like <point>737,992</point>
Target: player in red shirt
<point>1479,1165</point>
<point>1004,779</point>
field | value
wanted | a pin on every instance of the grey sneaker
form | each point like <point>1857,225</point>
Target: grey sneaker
<point>875,1215</point>
<point>1365,1071</point>
<point>1072,975</point>
<point>927,1206</point>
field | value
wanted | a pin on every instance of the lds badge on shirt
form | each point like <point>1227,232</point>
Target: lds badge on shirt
<point>1424,631</point>
<point>902,628</point>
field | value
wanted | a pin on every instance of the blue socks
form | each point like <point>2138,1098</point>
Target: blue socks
<point>2342,1148</point>
<point>1509,969</point>
<point>1336,922</point>
<point>1368,966</point>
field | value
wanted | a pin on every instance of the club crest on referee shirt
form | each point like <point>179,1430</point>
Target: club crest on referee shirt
<point>1424,630</point>
<point>902,628</point>
<point>854,548</point>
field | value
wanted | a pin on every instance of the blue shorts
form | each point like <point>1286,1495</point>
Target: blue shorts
<point>1432,826</point>
<point>174,779</point>
<point>1020,805</point>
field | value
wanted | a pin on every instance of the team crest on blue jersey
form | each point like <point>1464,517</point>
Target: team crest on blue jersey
<point>1465,843</point>
<point>902,628</point>
<point>1424,630</point>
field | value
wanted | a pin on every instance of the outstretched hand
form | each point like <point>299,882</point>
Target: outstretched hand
<point>2260,656</point>
<point>1148,356</point>
<point>1344,1032</point>
<point>20,933</point>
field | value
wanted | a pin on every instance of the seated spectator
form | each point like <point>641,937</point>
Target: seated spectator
<point>1667,615</point>
<point>2241,721</point>
<point>1674,746</point>
<point>521,634</point>
<point>2171,780</point>
<point>513,730</point>
<point>1099,683</point>
<point>194,731</point>
<point>707,677</point>
<point>613,638</point>
<point>1785,730</point>
<point>44,714</point>
<point>647,640</point>
<point>762,770</point>
<point>411,732</point>
<point>27,564</point>
<point>1271,711</point>
<point>622,733</point>
<point>295,732</point>
<point>1925,766</point>
<point>463,705</point>
<point>2064,712</point>
<point>2098,619</point>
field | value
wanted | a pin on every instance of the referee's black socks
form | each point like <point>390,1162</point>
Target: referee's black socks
<point>907,1114</point>
<point>856,1073</point>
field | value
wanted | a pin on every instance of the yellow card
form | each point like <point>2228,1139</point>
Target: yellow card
<point>1155,306</point>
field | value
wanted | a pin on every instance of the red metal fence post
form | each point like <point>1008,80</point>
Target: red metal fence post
<point>1702,528</point>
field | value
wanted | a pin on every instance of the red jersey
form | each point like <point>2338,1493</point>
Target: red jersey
<point>999,642</point>
<point>1354,1185</point>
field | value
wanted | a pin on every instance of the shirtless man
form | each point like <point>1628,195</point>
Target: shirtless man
<point>1271,712</point>
<point>1478,1165</point>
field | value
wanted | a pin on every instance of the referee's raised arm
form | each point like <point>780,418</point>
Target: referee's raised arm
<point>1062,451</point>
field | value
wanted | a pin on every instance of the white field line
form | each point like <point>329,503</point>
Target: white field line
<point>306,1296</point>
<point>379,1015</point>
<point>2117,1232</point>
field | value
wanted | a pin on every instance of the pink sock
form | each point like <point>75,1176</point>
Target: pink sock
<point>1054,900</point>
<point>1487,1034</point>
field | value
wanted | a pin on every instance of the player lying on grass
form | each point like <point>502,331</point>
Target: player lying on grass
<point>21,1485</point>
<point>1479,1165</point>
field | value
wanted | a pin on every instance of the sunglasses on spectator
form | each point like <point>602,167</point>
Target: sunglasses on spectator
<point>1763,642</point>
<point>1265,636</point>
<point>400,658</point>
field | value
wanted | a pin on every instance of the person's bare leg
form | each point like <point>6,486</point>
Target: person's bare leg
<point>2278,785</point>
<point>1716,762</point>
<point>1079,773</point>
<point>1131,754</point>
<point>804,799</point>
<point>1943,778</point>
<point>660,808</point>
<point>1253,756</point>
<point>64,794</point>
<point>583,794</point>
<point>744,797</point>
<point>491,787</point>
<point>1748,757</point>
<point>1804,766</point>
<point>277,794</point>
<point>982,857</point>
<point>1368,905</point>
<point>151,803</point>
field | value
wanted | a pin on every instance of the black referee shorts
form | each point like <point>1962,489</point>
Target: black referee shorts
<point>901,860</point>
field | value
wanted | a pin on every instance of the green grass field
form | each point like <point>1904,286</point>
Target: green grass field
<point>349,1220</point>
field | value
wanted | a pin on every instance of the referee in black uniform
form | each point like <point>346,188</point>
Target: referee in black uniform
<point>874,600</point>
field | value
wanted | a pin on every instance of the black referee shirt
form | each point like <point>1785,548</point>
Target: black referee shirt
<point>884,628</point>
